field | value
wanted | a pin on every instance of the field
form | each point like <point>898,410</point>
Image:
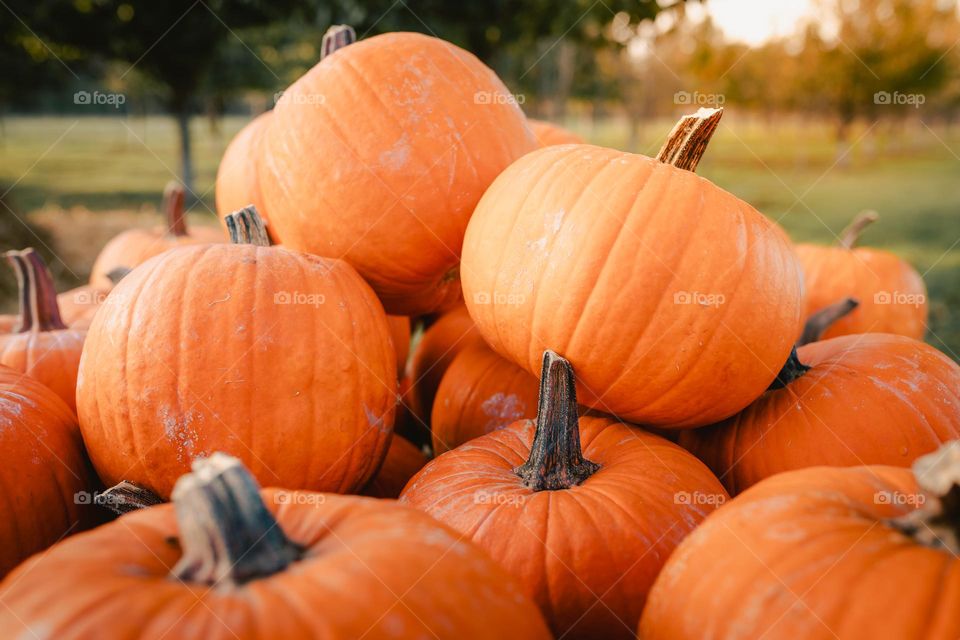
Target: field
<point>86,179</point>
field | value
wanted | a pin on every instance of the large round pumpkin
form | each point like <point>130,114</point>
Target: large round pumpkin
<point>379,154</point>
<point>237,183</point>
<point>45,477</point>
<point>584,527</point>
<point>675,301</point>
<point>228,562</point>
<point>281,358</point>
<point>820,554</point>
<point>855,400</point>
<point>549,134</point>
<point>892,295</point>
<point>41,345</point>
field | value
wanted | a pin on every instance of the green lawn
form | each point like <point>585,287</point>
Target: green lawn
<point>790,172</point>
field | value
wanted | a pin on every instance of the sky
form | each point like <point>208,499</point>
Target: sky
<point>755,21</point>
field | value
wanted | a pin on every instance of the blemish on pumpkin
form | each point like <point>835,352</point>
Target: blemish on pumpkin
<point>502,409</point>
<point>374,420</point>
<point>180,432</point>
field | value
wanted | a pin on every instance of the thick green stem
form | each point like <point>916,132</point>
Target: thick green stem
<point>174,197</point>
<point>851,235</point>
<point>688,141</point>
<point>556,460</point>
<point>337,37</point>
<point>246,227</point>
<point>818,323</point>
<point>936,523</point>
<point>39,310</point>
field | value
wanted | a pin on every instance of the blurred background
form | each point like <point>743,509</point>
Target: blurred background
<point>832,106</point>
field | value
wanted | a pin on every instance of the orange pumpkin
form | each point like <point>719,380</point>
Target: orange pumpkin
<point>480,393</point>
<point>379,154</point>
<point>278,357</point>
<point>135,246</point>
<point>820,553</point>
<point>403,461</point>
<point>45,475</point>
<point>400,334</point>
<point>80,304</point>
<point>41,345</point>
<point>237,182</point>
<point>853,400</point>
<point>675,301</point>
<point>892,295</point>
<point>226,561</point>
<point>584,529</point>
<point>549,134</point>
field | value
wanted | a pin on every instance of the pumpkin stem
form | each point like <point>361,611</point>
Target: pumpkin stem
<point>39,310</point>
<point>689,139</point>
<point>227,533</point>
<point>173,199</point>
<point>246,227</point>
<point>125,497</point>
<point>117,274</point>
<point>820,321</point>
<point>936,522</point>
<point>851,235</point>
<point>337,37</point>
<point>791,370</point>
<point>556,461</point>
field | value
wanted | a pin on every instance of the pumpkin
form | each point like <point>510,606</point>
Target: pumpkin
<point>281,358</point>
<point>135,246</point>
<point>480,392</point>
<point>400,334</point>
<point>892,295</point>
<point>549,134</point>
<point>585,527</point>
<point>80,304</point>
<point>820,553</point>
<point>676,302</point>
<point>228,561</point>
<point>403,461</point>
<point>41,345</point>
<point>45,475</point>
<point>237,183</point>
<point>379,154</point>
<point>864,399</point>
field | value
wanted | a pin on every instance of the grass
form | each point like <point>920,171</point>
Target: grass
<point>85,179</point>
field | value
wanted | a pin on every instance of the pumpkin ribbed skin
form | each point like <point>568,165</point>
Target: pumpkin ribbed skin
<point>372,569</point>
<point>238,185</point>
<point>400,334</point>
<point>808,554</point>
<point>50,357</point>
<point>892,295</point>
<point>402,462</point>
<point>480,392</point>
<point>602,540</point>
<point>44,467</point>
<point>867,399</point>
<point>549,134</point>
<point>379,154</point>
<point>208,349</point>
<point>79,305</point>
<point>576,246</point>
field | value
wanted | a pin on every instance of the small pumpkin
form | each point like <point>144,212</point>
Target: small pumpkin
<point>135,246</point>
<point>46,478</point>
<point>237,183</point>
<point>892,295</point>
<point>549,134</point>
<point>80,304</point>
<point>379,154</point>
<point>585,527</point>
<point>41,345</point>
<point>229,561</point>
<point>403,461</point>
<point>281,358</point>
<point>675,301</point>
<point>820,553</point>
<point>480,392</point>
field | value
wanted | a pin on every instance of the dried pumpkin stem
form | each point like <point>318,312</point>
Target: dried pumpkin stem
<point>556,460</point>
<point>227,533</point>
<point>39,310</point>
<point>174,197</point>
<point>936,523</point>
<point>851,235</point>
<point>125,497</point>
<point>117,274</point>
<point>791,370</point>
<point>822,320</point>
<point>688,141</point>
<point>246,227</point>
<point>337,37</point>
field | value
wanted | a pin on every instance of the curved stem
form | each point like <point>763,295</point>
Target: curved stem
<point>556,460</point>
<point>227,533</point>
<point>39,310</point>
<point>791,370</point>
<point>173,199</point>
<point>818,323</point>
<point>337,37</point>
<point>688,141</point>
<point>851,235</point>
<point>246,227</point>
<point>117,274</point>
<point>936,523</point>
<point>125,497</point>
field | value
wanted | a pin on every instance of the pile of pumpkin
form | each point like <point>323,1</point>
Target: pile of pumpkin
<point>647,411</point>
